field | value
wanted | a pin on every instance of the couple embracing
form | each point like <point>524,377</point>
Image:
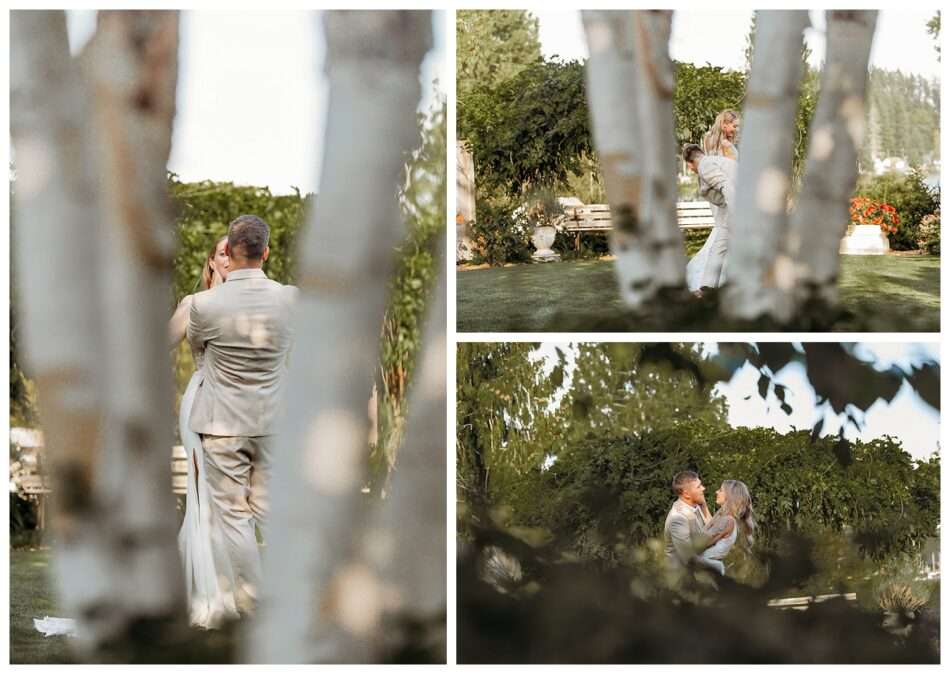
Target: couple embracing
<point>694,538</point>
<point>238,329</point>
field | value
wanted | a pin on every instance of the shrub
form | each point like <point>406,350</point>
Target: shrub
<point>928,238</point>
<point>912,198</point>
<point>900,598</point>
<point>499,236</point>
<point>591,245</point>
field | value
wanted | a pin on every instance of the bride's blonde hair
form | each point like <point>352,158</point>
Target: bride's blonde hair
<point>712,141</point>
<point>739,505</point>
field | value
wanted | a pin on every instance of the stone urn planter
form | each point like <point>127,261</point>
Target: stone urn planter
<point>865,240</point>
<point>543,239</point>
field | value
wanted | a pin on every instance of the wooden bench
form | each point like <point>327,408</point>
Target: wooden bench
<point>596,218</point>
<point>802,603</point>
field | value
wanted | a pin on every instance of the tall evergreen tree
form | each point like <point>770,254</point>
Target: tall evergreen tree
<point>493,45</point>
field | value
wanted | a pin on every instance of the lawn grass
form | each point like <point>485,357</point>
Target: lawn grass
<point>879,294</point>
<point>31,597</point>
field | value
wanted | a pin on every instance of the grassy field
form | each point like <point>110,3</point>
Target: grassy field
<point>879,294</point>
<point>30,597</point>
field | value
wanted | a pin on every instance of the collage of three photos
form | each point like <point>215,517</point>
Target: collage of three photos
<point>669,391</point>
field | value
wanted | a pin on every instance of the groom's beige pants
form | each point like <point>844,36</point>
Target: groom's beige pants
<point>237,471</point>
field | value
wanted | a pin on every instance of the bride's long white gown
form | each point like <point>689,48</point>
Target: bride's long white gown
<point>209,575</point>
<point>697,266</point>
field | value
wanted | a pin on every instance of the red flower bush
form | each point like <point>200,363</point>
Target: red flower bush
<point>866,211</point>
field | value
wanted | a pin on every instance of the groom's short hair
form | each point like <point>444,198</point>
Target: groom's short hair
<point>681,479</point>
<point>248,236</point>
<point>690,150</point>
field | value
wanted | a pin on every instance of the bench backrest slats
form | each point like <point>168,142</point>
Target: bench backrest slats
<point>596,217</point>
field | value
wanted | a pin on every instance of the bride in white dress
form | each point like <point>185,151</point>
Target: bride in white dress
<point>719,141</point>
<point>734,516</point>
<point>209,575</point>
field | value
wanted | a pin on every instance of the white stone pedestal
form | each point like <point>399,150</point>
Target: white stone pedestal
<point>865,240</point>
<point>543,239</point>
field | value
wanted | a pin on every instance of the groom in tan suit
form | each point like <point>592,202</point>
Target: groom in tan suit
<point>243,328</point>
<point>684,535</point>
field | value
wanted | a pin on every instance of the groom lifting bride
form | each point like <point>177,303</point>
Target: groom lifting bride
<point>716,164</point>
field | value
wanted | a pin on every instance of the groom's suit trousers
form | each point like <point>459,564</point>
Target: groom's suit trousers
<point>237,471</point>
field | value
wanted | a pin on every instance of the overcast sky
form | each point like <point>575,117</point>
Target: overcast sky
<point>908,418</point>
<point>719,38</point>
<point>251,95</point>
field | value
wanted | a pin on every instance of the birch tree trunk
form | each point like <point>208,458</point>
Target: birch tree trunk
<point>407,543</point>
<point>612,78</point>
<point>760,274</point>
<point>57,265</point>
<point>658,146</point>
<point>130,67</point>
<point>320,601</point>
<point>93,164</point>
<point>821,217</point>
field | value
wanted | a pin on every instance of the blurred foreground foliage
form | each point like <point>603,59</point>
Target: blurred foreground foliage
<point>570,610</point>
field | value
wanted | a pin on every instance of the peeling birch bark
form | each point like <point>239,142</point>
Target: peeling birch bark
<point>658,143</point>
<point>612,78</point>
<point>130,68</point>
<point>760,273</point>
<point>94,327</point>
<point>821,216</point>
<point>311,608</point>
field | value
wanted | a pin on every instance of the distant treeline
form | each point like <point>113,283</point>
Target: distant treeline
<point>903,118</point>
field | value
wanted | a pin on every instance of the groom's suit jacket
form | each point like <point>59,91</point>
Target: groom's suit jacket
<point>243,328</point>
<point>684,536</point>
<point>717,180</point>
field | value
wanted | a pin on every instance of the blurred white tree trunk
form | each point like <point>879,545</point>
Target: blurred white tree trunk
<point>320,600</point>
<point>760,274</point>
<point>57,265</point>
<point>658,146</point>
<point>821,216</point>
<point>611,75</point>
<point>407,540</point>
<point>95,216</point>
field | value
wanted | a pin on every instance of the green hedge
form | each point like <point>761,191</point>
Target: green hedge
<point>605,493</point>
